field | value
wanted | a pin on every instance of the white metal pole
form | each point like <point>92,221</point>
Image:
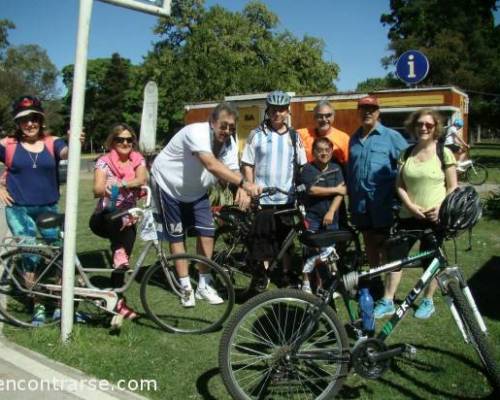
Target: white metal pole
<point>76,124</point>
<point>147,8</point>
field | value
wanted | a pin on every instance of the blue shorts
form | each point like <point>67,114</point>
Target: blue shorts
<point>178,217</point>
<point>316,225</point>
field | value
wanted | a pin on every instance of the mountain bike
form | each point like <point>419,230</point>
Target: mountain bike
<point>31,272</point>
<point>233,239</point>
<point>290,344</point>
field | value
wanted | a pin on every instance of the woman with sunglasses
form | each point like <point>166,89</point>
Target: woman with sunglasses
<point>30,185</point>
<point>118,176</point>
<point>423,182</point>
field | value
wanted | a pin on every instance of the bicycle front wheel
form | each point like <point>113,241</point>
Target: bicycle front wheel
<point>267,350</point>
<point>476,174</point>
<point>476,336</point>
<point>24,275</point>
<point>162,295</point>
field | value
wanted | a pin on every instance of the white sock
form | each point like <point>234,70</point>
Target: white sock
<point>205,280</point>
<point>306,285</point>
<point>185,282</point>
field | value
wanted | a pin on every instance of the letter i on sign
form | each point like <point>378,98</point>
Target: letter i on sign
<point>411,66</point>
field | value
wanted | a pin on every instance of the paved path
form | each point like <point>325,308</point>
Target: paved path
<point>29,375</point>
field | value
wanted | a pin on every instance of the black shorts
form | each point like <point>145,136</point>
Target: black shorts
<point>455,148</point>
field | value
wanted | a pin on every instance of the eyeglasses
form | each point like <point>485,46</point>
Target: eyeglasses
<point>427,125</point>
<point>120,139</point>
<point>325,115</point>
<point>224,126</point>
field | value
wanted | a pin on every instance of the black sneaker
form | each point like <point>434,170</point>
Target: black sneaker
<point>260,280</point>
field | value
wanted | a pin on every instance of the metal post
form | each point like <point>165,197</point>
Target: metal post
<point>76,124</point>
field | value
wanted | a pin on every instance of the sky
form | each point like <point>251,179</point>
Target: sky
<point>351,29</point>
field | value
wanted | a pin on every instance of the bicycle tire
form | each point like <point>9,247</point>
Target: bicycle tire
<point>230,253</point>
<point>162,303</point>
<point>16,304</point>
<point>255,355</point>
<point>476,335</point>
<point>476,174</point>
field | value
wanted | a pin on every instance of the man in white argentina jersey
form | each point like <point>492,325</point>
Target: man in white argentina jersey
<point>272,156</point>
<point>194,159</point>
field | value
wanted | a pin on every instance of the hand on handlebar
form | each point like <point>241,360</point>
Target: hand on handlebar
<point>252,189</point>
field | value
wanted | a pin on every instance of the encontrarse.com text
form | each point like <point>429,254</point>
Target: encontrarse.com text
<point>72,385</point>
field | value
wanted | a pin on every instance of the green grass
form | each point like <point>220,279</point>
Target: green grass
<point>185,366</point>
<point>488,154</point>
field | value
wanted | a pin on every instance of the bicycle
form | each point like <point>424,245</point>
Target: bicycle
<point>472,172</point>
<point>290,344</point>
<point>160,290</point>
<point>234,235</point>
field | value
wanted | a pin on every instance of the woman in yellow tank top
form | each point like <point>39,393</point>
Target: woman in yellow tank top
<point>422,184</point>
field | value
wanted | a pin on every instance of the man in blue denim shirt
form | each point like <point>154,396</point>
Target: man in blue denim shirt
<point>371,175</point>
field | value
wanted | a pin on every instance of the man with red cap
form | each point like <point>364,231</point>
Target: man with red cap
<point>371,174</point>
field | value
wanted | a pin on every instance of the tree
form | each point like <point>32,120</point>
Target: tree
<point>208,54</point>
<point>373,84</point>
<point>25,70</point>
<point>460,39</point>
<point>106,95</point>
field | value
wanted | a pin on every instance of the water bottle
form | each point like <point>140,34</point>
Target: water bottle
<point>366,307</point>
<point>115,190</point>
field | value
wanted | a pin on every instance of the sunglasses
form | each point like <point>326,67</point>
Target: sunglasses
<point>427,125</point>
<point>30,118</point>
<point>224,126</point>
<point>326,115</point>
<point>120,139</point>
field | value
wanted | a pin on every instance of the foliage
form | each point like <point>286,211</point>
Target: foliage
<point>106,95</point>
<point>373,84</point>
<point>207,54</point>
<point>461,41</point>
<point>25,69</point>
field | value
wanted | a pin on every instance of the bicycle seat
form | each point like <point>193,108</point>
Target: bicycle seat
<point>50,220</point>
<point>324,239</point>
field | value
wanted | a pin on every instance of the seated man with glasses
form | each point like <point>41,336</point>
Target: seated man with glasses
<point>193,160</point>
<point>324,115</point>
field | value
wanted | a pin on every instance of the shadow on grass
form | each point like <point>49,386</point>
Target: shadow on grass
<point>96,258</point>
<point>202,383</point>
<point>428,389</point>
<point>484,287</point>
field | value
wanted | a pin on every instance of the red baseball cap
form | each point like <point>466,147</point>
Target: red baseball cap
<point>368,101</point>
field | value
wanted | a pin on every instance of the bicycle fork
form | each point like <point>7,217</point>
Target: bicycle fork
<point>443,279</point>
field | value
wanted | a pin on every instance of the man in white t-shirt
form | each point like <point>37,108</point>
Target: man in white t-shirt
<point>192,161</point>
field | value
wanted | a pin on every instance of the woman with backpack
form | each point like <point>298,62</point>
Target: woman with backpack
<point>30,184</point>
<point>427,173</point>
<point>118,177</point>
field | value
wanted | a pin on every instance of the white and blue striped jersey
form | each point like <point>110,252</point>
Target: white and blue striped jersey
<point>271,155</point>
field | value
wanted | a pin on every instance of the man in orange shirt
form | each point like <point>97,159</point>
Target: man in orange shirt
<point>324,115</point>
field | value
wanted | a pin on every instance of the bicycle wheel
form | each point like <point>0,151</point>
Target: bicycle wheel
<point>23,274</point>
<point>161,295</point>
<point>476,336</point>
<point>476,174</point>
<point>230,253</point>
<point>258,357</point>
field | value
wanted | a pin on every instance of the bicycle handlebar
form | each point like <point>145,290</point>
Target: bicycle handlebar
<point>135,211</point>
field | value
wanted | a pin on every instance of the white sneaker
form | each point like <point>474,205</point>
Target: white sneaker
<point>209,294</point>
<point>187,300</point>
<point>307,289</point>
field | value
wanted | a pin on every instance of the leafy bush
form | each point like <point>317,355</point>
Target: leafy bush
<point>492,205</point>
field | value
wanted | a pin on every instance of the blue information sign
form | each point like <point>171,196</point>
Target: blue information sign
<point>412,66</point>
